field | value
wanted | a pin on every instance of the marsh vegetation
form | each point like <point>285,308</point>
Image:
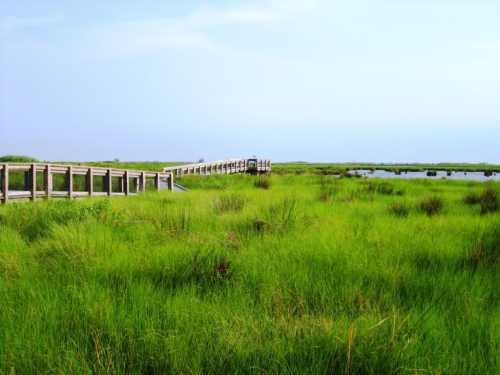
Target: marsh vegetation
<point>308,274</point>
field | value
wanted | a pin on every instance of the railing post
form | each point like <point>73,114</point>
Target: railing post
<point>33,182</point>
<point>109,184</point>
<point>143,182</point>
<point>5,183</point>
<point>70,182</point>
<point>171,182</point>
<point>126,188</point>
<point>157,181</point>
<point>90,181</point>
<point>48,181</point>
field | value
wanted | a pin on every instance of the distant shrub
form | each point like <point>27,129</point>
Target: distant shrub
<point>488,173</point>
<point>400,209</point>
<point>472,198</point>
<point>489,201</point>
<point>262,183</point>
<point>229,203</point>
<point>431,206</point>
<point>431,173</point>
<point>17,159</point>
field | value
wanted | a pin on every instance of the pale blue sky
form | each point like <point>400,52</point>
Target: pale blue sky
<point>325,80</point>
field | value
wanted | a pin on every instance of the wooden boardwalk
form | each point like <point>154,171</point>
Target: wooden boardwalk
<point>222,167</point>
<point>33,181</point>
<point>21,181</point>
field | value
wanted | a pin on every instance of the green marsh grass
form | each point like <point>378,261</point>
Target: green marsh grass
<point>285,282</point>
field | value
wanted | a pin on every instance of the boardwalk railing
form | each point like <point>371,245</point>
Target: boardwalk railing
<point>19,181</point>
<point>222,167</point>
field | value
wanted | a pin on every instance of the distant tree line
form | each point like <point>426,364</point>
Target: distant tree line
<point>17,159</point>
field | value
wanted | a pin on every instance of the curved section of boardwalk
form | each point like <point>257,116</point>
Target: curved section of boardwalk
<point>222,167</point>
<point>32,181</point>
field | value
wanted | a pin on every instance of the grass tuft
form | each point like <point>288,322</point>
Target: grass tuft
<point>262,182</point>
<point>328,188</point>
<point>399,209</point>
<point>487,249</point>
<point>431,206</point>
<point>283,215</point>
<point>383,188</point>
<point>489,201</point>
<point>229,203</point>
<point>472,198</point>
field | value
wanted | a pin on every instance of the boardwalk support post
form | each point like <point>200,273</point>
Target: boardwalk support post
<point>109,182</point>
<point>126,188</point>
<point>5,182</point>
<point>90,182</point>
<point>143,182</point>
<point>33,181</point>
<point>47,181</point>
<point>157,181</point>
<point>171,182</point>
<point>70,182</point>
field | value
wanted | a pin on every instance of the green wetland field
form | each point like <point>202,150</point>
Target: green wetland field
<point>289,273</point>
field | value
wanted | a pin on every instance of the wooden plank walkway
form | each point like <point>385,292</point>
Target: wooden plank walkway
<point>223,167</point>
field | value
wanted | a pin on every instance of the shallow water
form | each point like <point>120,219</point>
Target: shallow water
<point>472,176</point>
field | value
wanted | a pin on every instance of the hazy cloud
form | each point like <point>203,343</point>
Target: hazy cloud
<point>495,46</point>
<point>11,23</point>
<point>141,37</point>
<point>191,31</point>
